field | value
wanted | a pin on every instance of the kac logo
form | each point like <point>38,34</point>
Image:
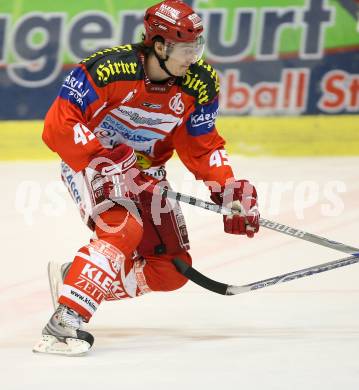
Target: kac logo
<point>176,104</point>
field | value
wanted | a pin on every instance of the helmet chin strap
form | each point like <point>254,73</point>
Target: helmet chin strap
<point>162,63</point>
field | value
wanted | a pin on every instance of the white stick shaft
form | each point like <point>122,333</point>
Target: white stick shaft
<point>233,290</point>
<point>278,227</point>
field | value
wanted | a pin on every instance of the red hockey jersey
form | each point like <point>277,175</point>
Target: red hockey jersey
<point>107,100</point>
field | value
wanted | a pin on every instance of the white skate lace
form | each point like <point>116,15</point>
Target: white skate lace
<point>69,318</point>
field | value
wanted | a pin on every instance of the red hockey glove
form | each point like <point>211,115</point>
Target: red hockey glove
<point>115,161</point>
<point>242,196</point>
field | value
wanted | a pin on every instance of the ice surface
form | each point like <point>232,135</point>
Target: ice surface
<point>299,335</point>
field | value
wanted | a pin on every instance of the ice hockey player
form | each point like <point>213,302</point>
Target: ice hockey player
<point>119,116</point>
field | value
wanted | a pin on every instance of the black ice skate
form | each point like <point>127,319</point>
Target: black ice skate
<point>62,334</point>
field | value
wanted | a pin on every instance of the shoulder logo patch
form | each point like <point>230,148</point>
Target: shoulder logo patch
<point>78,90</point>
<point>202,120</point>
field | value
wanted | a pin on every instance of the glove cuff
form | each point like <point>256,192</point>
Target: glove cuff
<point>232,191</point>
<point>114,161</point>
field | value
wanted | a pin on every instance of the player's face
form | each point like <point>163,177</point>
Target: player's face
<point>182,54</point>
<point>178,67</point>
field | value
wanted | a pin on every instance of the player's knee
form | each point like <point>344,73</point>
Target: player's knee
<point>179,280</point>
<point>120,228</point>
<point>166,277</point>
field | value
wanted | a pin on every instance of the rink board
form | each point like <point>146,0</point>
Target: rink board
<point>251,136</point>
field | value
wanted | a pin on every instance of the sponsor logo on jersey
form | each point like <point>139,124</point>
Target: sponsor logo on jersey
<point>78,90</point>
<point>192,80</point>
<point>202,120</point>
<point>110,126</point>
<point>153,106</point>
<point>137,117</point>
<point>176,104</point>
<point>112,132</point>
<point>110,70</point>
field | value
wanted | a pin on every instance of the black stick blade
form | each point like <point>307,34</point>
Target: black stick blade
<point>198,278</point>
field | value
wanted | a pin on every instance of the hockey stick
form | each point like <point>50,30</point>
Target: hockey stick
<point>278,227</point>
<point>227,289</point>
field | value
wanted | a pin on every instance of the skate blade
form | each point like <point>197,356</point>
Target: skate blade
<point>55,281</point>
<point>71,347</point>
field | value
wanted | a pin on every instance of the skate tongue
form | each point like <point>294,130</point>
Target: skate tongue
<point>69,318</point>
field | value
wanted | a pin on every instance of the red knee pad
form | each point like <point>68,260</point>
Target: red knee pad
<point>162,275</point>
<point>122,230</point>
